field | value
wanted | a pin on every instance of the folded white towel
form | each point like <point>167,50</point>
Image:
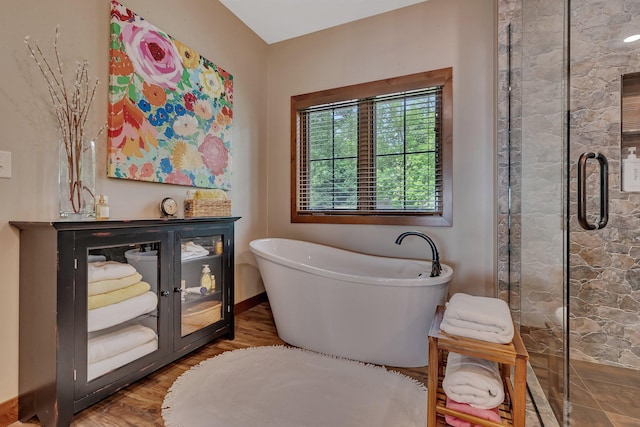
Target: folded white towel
<point>97,369</point>
<point>114,314</point>
<point>190,250</point>
<point>481,318</point>
<point>105,270</point>
<point>473,381</point>
<point>111,342</point>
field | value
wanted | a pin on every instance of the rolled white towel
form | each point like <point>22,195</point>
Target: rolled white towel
<point>481,318</point>
<point>473,381</point>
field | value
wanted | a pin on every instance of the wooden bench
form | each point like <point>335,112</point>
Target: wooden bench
<point>514,354</point>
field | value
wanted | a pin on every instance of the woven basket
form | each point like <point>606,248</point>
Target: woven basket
<point>206,207</point>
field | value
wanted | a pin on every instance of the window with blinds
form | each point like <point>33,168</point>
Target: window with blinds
<point>374,153</point>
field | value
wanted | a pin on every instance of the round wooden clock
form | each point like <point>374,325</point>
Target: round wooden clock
<point>168,207</point>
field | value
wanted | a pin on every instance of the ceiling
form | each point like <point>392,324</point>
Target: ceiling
<point>277,20</point>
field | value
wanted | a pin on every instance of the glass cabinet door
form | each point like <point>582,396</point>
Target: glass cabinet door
<point>201,295</point>
<point>122,306</point>
<point>119,329</point>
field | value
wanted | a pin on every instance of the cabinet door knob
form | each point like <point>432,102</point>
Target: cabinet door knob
<point>164,293</point>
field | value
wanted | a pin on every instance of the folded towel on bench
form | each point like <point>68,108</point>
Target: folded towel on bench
<point>481,318</point>
<point>486,414</point>
<point>473,380</point>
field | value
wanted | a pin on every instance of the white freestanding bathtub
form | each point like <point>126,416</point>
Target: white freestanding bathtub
<point>348,304</point>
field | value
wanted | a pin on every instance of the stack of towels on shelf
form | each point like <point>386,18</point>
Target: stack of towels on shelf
<point>473,385</point>
<point>116,297</point>
<point>190,250</point>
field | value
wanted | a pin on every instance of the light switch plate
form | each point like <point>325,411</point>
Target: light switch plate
<point>5,164</point>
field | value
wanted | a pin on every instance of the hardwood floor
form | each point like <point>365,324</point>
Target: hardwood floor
<point>140,404</point>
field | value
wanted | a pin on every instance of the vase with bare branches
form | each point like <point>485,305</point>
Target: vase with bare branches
<point>71,102</point>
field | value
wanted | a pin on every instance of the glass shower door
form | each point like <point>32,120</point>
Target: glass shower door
<point>574,200</point>
<point>604,287</point>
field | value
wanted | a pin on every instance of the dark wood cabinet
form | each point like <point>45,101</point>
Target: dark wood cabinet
<point>105,303</point>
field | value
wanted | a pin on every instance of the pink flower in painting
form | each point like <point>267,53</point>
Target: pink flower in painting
<point>214,154</point>
<point>177,177</point>
<point>147,170</point>
<point>133,170</point>
<point>155,58</point>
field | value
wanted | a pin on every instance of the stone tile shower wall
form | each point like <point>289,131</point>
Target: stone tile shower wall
<point>605,264</point>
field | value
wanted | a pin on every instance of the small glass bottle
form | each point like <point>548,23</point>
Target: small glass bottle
<point>102,208</point>
<point>205,279</point>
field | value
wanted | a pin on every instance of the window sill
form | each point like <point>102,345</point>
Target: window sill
<point>423,220</point>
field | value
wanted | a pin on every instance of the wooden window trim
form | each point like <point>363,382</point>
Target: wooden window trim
<point>441,77</point>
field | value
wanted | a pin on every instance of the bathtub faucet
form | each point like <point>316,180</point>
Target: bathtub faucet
<point>435,258</point>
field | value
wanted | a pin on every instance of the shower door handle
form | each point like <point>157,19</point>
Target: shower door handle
<point>582,191</point>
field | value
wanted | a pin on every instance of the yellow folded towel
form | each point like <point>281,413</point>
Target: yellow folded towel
<point>210,195</point>
<point>109,285</point>
<point>114,297</point>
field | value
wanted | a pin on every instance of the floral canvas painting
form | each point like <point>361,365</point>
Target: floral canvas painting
<point>170,109</point>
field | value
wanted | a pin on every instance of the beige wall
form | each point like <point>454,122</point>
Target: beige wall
<point>430,35</point>
<point>29,132</point>
<point>426,36</point>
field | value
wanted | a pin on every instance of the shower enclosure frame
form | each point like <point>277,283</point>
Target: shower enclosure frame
<point>511,99</point>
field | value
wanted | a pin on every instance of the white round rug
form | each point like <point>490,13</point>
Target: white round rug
<point>285,387</point>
